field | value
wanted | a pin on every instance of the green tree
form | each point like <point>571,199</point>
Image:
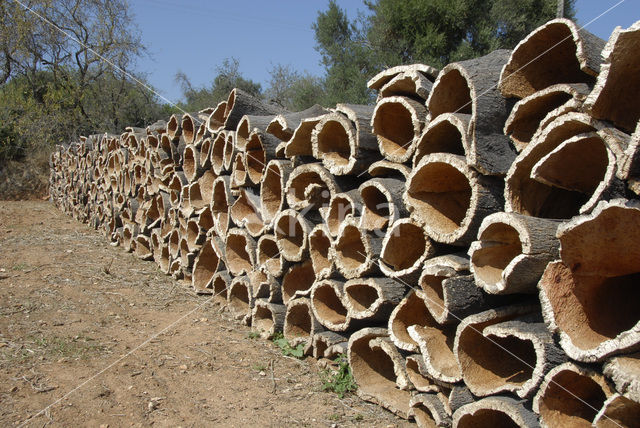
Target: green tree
<point>228,77</point>
<point>293,90</point>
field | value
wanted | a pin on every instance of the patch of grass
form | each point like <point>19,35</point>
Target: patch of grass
<point>287,349</point>
<point>259,367</point>
<point>253,335</point>
<point>340,380</point>
<point>20,267</point>
<point>67,347</point>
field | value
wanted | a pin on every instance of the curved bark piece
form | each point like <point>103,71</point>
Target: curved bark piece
<point>240,250</point>
<point>385,76</point>
<point>470,87</point>
<point>205,182</point>
<point>589,297</point>
<point>340,206</point>
<point>538,109</point>
<point>624,372</point>
<point>297,281</point>
<point>194,235</point>
<point>273,189</point>
<point>495,359</point>
<point>614,98</point>
<point>284,125</point>
<point>450,199</point>
<point>329,344</point>
<point>245,212</point>
<point>378,370</point>
<point>512,252</point>
<point>221,201</point>
<point>229,151</point>
<point>215,121</point>
<point>129,233</point>
<point>570,396</point>
<point>268,256</point>
<point>343,141</point>
<point>428,411</point>
<point>405,248</point>
<point>584,165</point>
<point>143,249</point>
<point>240,299</point>
<point>310,186</point>
<point>327,305</point>
<point>447,133</point>
<point>381,202</point>
<point>397,123</point>
<point>207,263</point>
<point>495,411</point>
<point>355,251</point>
<point>190,124</point>
<point>267,318</point>
<point>265,286</point>
<point>247,125</point>
<point>292,235</point>
<point>187,257</point>
<point>618,411</point>
<point>261,149</point>
<point>216,154</point>
<point>320,252</point>
<point>413,84</point>
<point>240,103</point>
<point>300,325</point>
<point>239,177</point>
<point>220,286</point>
<point>556,52</point>
<point>417,374</point>
<point>173,126</point>
<point>372,299</point>
<point>446,299</point>
<point>411,311</point>
<point>435,343</point>
<point>525,195</point>
<point>160,251</point>
<point>300,142</point>
<point>388,169</point>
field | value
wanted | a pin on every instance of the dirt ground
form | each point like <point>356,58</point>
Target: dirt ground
<point>92,336</point>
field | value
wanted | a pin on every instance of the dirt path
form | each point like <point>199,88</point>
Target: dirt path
<point>72,306</point>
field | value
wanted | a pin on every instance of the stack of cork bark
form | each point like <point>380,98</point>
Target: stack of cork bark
<point>472,242</point>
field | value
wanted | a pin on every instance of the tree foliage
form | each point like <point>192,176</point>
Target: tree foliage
<point>433,32</point>
<point>293,90</point>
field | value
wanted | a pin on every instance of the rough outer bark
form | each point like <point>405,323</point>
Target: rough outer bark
<point>327,343</point>
<point>343,140</point>
<point>245,212</point>
<point>273,189</point>
<point>240,299</point>
<point>618,411</point>
<point>538,109</point>
<point>589,296</point>
<point>570,395</point>
<point>386,75</point>
<point>267,318</point>
<point>614,98</point>
<point>300,325</point>
<point>247,125</point>
<point>512,252</point>
<point>397,123</point>
<point>405,248</point>
<point>624,372</point>
<point>382,203</point>
<point>355,251</point>
<point>241,103</point>
<point>450,199</point>
<point>556,52</point>
<point>284,125</point>
<point>495,411</point>
<point>374,363</point>
<point>428,411</point>
<point>320,243</point>
<point>471,87</point>
<point>372,299</point>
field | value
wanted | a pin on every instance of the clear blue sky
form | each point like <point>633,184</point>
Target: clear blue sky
<point>195,36</point>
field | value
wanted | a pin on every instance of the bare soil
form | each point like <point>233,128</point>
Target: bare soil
<point>92,336</point>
